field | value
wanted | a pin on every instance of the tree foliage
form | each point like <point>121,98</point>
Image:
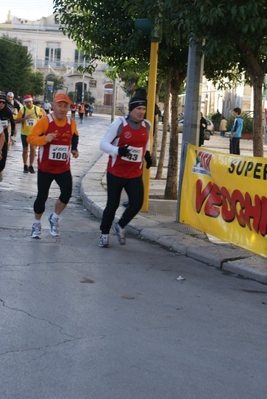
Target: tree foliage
<point>105,31</point>
<point>58,83</point>
<point>133,74</point>
<point>16,72</point>
<point>233,33</point>
<point>102,30</point>
<point>235,40</point>
<point>36,83</point>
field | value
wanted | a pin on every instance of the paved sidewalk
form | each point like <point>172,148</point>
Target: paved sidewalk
<point>159,223</point>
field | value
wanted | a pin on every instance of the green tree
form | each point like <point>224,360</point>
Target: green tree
<point>105,31</point>
<point>15,66</point>
<point>36,85</point>
<point>236,41</point>
<point>102,30</point>
<point>132,72</point>
<point>58,83</point>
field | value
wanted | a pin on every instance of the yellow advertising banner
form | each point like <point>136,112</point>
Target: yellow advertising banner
<point>225,195</point>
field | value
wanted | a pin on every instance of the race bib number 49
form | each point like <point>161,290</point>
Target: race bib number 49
<point>135,154</point>
<point>58,152</point>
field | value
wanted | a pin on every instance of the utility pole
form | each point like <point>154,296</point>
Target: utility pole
<point>192,109</point>
<point>147,26</point>
<point>150,113</point>
<point>83,79</point>
<point>114,100</point>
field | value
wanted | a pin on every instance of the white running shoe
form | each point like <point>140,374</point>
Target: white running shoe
<point>120,234</point>
<point>36,230</point>
<point>104,241</point>
<point>54,226</point>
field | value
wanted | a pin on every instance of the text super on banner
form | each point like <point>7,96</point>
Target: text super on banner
<point>226,196</point>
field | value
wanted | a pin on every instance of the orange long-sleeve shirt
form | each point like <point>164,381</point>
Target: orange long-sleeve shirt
<point>37,137</point>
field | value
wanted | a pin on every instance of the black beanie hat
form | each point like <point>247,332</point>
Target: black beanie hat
<point>2,97</point>
<point>136,102</point>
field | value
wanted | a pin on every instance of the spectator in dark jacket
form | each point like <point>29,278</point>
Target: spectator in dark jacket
<point>202,128</point>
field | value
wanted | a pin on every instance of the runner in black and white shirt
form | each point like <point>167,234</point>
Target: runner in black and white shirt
<point>6,119</point>
<point>14,106</point>
<point>2,142</point>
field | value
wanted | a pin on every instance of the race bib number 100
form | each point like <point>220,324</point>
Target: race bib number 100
<point>59,152</point>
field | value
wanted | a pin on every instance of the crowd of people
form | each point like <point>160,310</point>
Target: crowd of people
<point>84,110</point>
<point>56,136</point>
<point>25,112</point>
<point>50,128</point>
<point>235,131</point>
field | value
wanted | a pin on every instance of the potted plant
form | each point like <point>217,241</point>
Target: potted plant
<point>216,119</point>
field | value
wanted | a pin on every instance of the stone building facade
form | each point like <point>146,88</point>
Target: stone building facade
<point>54,54</point>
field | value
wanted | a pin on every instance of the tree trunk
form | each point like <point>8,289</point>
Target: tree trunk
<point>155,141</point>
<point>257,118</point>
<point>172,175</point>
<point>155,131</point>
<point>257,74</point>
<point>165,125</point>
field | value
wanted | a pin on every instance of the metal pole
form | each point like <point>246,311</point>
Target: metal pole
<point>83,79</point>
<point>36,50</point>
<point>192,109</point>
<point>114,97</point>
<point>150,114</point>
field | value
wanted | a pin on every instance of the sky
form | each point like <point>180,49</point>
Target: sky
<point>26,9</point>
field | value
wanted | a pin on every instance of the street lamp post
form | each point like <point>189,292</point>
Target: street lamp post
<point>147,26</point>
<point>114,99</point>
<point>83,79</point>
<point>192,109</point>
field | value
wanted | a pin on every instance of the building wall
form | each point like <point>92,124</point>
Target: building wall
<point>44,33</point>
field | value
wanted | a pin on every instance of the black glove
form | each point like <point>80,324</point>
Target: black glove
<point>123,151</point>
<point>148,159</point>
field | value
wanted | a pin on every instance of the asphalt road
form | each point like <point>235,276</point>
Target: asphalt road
<point>81,322</point>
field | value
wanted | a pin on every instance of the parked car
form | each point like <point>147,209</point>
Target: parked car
<point>180,125</point>
<point>210,127</point>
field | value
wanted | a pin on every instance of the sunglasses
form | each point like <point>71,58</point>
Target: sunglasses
<point>2,102</point>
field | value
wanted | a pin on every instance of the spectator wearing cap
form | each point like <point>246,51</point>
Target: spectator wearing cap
<point>14,107</point>
<point>127,143</point>
<point>12,103</point>
<point>47,106</point>
<point>56,135</point>
<point>7,122</point>
<point>28,116</point>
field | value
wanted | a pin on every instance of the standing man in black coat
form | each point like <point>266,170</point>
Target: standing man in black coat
<point>202,128</point>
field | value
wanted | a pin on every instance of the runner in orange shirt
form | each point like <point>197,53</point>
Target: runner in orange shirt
<point>57,138</point>
<point>81,112</point>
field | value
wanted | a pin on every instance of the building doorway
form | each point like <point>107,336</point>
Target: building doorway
<point>79,91</point>
<point>108,93</point>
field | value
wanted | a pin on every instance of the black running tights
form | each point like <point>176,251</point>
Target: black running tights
<point>135,190</point>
